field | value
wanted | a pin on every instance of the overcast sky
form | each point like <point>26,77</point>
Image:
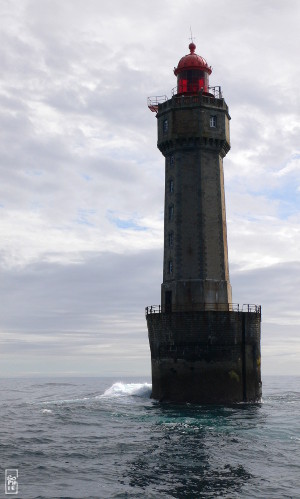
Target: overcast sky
<point>82,182</point>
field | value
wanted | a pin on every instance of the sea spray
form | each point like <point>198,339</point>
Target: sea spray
<point>120,389</point>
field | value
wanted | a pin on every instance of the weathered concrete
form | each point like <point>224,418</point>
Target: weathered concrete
<point>205,357</point>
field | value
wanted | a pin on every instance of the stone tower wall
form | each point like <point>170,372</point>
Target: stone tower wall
<point>195,237</point>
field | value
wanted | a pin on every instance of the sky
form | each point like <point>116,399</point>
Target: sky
<point>82,182</point>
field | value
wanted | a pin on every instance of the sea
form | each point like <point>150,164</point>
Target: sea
<point>106,438</point>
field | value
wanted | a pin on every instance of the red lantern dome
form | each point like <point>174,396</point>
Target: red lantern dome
<point>192,73</point>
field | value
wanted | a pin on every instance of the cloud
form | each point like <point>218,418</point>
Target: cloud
<point>80,172</point>
<point>92,308</point>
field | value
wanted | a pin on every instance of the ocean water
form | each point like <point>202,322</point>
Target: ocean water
<point>105,438</point>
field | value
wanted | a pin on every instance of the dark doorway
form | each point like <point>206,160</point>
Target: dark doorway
<point>168,302</point>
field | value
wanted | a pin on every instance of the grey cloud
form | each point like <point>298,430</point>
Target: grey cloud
<point>102,299</point>
<point>67,295</point>
<point>79,141</point>
<point>274,287</point>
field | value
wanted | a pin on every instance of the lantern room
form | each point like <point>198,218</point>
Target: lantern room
<point>192,73</point>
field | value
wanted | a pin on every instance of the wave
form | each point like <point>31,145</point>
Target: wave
<point>128,389</point>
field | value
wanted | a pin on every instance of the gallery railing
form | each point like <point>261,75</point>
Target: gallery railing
<point>231,307</point>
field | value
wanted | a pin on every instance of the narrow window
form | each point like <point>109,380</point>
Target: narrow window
<point>165,126</point>
<point>170,267</point>
<point>171,239</point>
<point>172,161</point>
<point>171,212</point>
<point>213,121</point>
<point>171,186</point>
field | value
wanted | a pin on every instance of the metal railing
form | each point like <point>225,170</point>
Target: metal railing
<point>216,92</point>
<point>153,309</point>
<point>153,102</point>
<point>251,307</point>
<point>230,307</point>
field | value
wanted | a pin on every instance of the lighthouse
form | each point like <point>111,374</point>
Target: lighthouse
<point>204,348</point>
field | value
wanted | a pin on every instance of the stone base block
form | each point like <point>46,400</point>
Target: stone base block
<point>208,357</point>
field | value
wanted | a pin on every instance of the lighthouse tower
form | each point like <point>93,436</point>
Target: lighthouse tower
<point>204,349</point>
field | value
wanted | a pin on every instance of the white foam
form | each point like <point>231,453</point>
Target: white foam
<point>64,401</point>
<point>46,411</point>
<point>128,389</point>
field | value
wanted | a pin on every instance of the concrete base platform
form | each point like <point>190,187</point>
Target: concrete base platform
<point>205,357</point>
